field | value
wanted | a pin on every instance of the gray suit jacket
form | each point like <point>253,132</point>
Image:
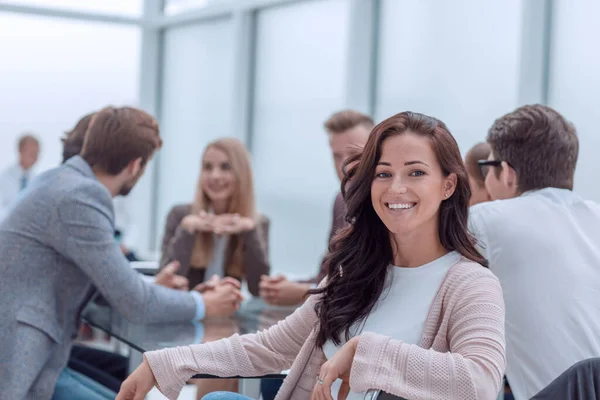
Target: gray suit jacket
<point>56,249</point>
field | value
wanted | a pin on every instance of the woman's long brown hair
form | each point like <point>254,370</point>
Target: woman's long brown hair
<point>359,256</point>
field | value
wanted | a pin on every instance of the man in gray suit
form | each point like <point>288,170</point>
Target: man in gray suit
<point>57,249</point>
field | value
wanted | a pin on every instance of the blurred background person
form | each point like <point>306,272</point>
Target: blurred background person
<point>347,131</point>
<point>16,178</point>
<point>73,140</point>
<point>220,233</point>
<point>479,193</point>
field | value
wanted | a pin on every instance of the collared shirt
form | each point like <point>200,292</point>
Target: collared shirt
<point>12,181</point>
<point>544,247</point>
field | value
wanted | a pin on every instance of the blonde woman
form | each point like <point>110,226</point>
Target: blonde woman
<point>220,233</point>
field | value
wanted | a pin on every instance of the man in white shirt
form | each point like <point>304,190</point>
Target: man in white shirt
<point>543,242</point>
<point>17,177</point>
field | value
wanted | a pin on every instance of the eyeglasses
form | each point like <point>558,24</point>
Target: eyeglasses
<point>484,166</point>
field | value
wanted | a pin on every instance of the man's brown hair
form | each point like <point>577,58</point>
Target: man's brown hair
<point>347,119</point>
<point>481,151</point>
<point>539,143</point>
<point>73,139</point>
<point>117,136</point>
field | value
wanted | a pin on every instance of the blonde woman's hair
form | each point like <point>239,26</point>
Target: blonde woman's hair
<point>242,202</point>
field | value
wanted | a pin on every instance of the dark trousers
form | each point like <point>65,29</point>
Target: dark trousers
<point>106,368</point>
<point>580,382</point>
<point>269,388</point>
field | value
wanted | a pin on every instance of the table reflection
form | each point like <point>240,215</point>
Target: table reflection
<point>253,315</point>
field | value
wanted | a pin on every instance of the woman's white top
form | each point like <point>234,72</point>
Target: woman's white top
<point>216,266</point>
<point>402,308</point>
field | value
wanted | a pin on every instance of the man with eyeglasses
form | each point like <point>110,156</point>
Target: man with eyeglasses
<point>543,242</point>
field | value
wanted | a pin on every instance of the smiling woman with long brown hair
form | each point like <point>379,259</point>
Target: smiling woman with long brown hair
<point>407,307</point>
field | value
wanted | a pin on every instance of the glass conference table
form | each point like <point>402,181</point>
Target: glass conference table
<point>253,315</point>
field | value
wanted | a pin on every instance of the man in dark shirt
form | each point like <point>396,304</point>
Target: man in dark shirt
<point>348,132</point>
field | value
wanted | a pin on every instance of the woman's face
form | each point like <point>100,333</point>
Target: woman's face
<point>409,185</point>
<point>217,177</point>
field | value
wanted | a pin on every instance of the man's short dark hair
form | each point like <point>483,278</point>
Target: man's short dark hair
<point>73,140</point>
<point>539,143</point>
<point>341,121</point>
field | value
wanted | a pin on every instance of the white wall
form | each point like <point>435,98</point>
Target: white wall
<point>300,80</point>
<point>197,96</point>
<point>455,60</point>
<point>575,83</point>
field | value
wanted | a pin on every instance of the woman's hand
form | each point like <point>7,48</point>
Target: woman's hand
<point>338,366</point>
<point>202,222</point>
<point>139,383</point>
<point>232,224</point>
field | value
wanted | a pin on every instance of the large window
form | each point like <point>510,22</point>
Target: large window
<point>575,82</point>
<point>300,80</point>
<point>197,94</point>
<point>283,64</point>
<point>53,71</point>
<point>455,60</point>
<point>180,6</point>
